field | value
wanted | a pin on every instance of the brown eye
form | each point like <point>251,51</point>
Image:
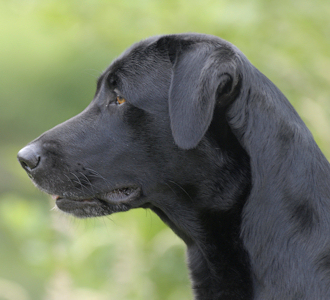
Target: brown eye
<point>120,100</point>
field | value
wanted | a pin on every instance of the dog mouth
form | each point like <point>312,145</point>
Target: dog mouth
<point>102,204</point>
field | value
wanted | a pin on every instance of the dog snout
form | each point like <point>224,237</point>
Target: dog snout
<point>29,158</point>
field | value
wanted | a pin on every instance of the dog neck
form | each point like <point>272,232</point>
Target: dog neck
<point>209,220</point>
<point>218,263</point>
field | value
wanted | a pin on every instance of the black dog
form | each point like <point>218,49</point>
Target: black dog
<point>186,126</point>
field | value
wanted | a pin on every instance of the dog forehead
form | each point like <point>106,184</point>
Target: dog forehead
<point>149,49</point>
<point>149,54</point>
<point>140,57</point>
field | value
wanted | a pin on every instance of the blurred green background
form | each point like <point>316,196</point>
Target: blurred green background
<point>51,53</point>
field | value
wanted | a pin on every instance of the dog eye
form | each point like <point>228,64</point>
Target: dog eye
<point>120,100</point>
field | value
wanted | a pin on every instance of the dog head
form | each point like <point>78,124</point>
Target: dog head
<point>149,135</point>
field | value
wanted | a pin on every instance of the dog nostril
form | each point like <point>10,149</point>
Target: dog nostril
<point>28,158</point>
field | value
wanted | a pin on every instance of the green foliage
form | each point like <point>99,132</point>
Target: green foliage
<point>50,56</point>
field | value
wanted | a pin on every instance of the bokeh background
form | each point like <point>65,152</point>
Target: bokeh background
<point>51,53</point>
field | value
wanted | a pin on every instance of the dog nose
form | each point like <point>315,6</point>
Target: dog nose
<point>28,158</point>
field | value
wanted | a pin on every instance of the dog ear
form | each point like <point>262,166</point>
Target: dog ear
<point>203,75</point>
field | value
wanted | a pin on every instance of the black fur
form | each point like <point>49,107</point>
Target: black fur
<point>215,149</point>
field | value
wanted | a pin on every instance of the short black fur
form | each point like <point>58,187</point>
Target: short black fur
<point>216,151</point>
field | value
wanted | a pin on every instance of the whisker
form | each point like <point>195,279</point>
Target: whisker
<point>97,175</point>
<point>68,177</point>
<point>91,185</point>
<point>78,181</point>
<point>171,189</point>
<point>181,189</point>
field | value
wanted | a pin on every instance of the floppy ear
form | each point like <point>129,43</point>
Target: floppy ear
<point>203,75</point>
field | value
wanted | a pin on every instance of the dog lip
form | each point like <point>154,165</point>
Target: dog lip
<point>59,198</point>
<point>117,200</point>
<point>115,196</point>
<point>120,195</point>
